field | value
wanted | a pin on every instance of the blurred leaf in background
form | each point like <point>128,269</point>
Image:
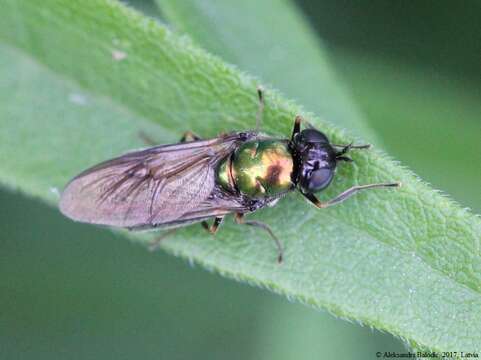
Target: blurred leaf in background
<point>143,302</point>
<point>414,69</point>
<point>290,57</point>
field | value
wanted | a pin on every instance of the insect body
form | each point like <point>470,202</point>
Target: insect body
<point>169,186</point>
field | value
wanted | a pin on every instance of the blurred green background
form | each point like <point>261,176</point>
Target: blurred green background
<point>74,291</point>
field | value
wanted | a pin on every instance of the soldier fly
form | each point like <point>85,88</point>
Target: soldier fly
<point>170,186</point>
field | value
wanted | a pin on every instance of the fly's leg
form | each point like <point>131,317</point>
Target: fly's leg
<point>189,136</point>
<point>239,219</point>
<point>215,225</point>
<point>260,110</point>
<point>346,194</point>
<point>297,127</point>
<point>154,244</point>
<point>345,148</point>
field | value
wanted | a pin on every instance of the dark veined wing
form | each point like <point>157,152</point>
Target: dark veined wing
<point>162,185</point>
<point>218,204</point>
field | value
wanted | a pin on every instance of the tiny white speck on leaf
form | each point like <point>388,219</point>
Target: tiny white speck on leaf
<point>54,190</point>
<point>78,99</point>
<point>118,55</point>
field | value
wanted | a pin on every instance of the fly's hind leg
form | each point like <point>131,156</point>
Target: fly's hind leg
<point>239,219</point>
<point>215,225</point>
<point>154,244</point>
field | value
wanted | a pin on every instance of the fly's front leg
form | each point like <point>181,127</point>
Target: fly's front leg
<point>340,155</point>
<point>346,148</point>
<point>239,219</point>
<point>215,225</point>
<point>297,127</point>
<point>346,194</point>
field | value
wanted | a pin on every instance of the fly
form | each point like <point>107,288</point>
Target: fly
<point>170,186</point>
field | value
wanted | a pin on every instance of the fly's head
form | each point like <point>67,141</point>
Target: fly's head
<point>315,160</point>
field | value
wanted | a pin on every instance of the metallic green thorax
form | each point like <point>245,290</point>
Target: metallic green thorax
<point>258,169</point>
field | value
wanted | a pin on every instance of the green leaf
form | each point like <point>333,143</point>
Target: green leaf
<point>282,49</point>
<point>80,80</point>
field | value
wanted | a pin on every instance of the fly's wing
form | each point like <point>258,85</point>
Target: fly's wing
<point>218,204</point>
<point>150,187</point>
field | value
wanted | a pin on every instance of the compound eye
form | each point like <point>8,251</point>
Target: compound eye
<point>319,179</point>
<point>313,136</point>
